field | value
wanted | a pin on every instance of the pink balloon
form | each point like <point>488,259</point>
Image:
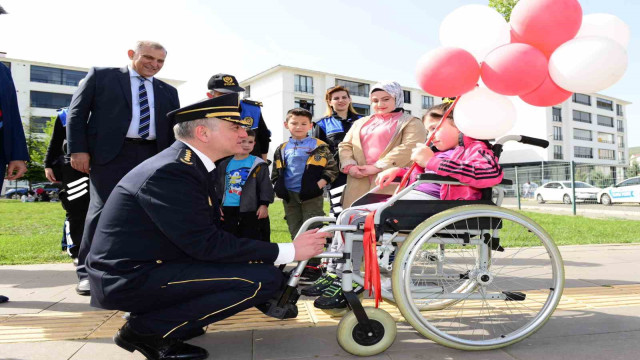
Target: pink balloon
<point>447,72</point>
<point>547,94</point>
<point>546,24</point>
<point>514,69</point>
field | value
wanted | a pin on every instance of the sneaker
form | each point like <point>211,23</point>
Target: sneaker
<point>310,275</point>
<point>333,297</point>
<point>318,287</point>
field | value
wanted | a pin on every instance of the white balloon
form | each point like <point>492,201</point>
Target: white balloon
<point>475,28</point>
<point>588,64</point>
<point>483,114</point>
<point>605,25</point>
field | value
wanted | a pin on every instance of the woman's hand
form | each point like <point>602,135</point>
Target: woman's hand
<point>386,177</point>
<point>368,170</point>
<point>263,212</point>
<point>421,155</point>
<point>322,183</point>
<point>355,172</point>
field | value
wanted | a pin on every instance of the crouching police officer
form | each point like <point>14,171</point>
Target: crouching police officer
<point>159,251</point>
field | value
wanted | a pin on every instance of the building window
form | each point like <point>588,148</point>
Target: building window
<point>621,142</point>
<point>49,100</point>
<point>305,104</point>
<point>582,116</point>
<point>557,133</point>
<point>38,123</point>
<point>303,84</point>
<point>604,104</point>
<point>605,154</point>
<point>580,134</point>
<point>621,158</point>
<point>247,91</point>
<point>557,152</point>
<point>362,109</point>
<point>7,64</point>
<point>582,99</point>
<point>407,96</point>
<point>355,88</point>
<point>619,110</point>
<point>427,102</point>
<point>557,114</point>
<point>605,120</point>
<point>606,138</point>
<point>620,125</point>
<point>583,152</point>
<point>49,75</point>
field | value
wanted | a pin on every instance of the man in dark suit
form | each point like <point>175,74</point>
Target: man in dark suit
<point>160,253</point>
<point>13,146</point>
<point>117,119</point>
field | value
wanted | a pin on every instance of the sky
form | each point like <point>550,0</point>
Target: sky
<point>375,40</point>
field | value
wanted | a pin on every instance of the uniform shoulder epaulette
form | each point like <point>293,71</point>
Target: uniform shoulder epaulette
<point>252,102</point>
<point>186,156</point>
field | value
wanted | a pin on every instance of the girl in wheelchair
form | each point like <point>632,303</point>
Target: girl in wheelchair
<point>468,160</point>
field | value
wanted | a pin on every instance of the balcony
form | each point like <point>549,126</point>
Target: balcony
<point>304,89</point>
<point>583,138</point>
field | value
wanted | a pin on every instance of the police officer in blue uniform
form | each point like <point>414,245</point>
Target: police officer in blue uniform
<point>159,251</point>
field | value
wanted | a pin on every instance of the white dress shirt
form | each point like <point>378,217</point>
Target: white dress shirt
<point>286,252</point>
<point>135,106</point>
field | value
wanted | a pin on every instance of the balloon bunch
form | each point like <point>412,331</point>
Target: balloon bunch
<point>547,51</point>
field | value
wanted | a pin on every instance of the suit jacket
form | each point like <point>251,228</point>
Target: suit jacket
<point>162,212</point>
<point>100,114</point>
<point>409,132</point>
<point>13,141</point>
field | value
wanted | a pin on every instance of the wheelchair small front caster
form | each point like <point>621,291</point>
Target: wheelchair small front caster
<point>355,340</point>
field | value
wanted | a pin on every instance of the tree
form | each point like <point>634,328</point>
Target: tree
<point>504,7</point>
<point>634,169</point>
<point>37,145</point>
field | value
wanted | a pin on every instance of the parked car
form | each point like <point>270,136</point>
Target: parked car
<point>15,193</point>
<point>48,186</point>
<point>561,191</point>
<point>623,192</point>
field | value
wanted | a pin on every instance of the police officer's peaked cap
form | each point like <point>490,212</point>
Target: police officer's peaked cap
<point>222,82</point>
<point>225,107</point>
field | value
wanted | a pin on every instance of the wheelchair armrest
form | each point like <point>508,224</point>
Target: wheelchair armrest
<point>439,179</point>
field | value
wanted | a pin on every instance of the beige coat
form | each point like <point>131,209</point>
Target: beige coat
<point>409,132</point>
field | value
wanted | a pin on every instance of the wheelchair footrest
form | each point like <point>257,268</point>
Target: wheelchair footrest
<point>515,296</point>
<point>283,306</point>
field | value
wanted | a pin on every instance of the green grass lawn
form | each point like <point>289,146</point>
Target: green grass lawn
<point>30,233</point>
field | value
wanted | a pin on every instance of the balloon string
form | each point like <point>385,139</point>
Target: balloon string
<point>407,175</point>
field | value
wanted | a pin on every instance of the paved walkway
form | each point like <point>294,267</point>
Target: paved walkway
<point>598,317</point>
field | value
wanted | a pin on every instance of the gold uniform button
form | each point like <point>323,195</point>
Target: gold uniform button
<point>159,261</point>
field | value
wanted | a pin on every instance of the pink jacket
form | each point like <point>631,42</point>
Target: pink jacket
<point>472,163</point>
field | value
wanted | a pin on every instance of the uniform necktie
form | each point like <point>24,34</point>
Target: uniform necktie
<point>145,113</point>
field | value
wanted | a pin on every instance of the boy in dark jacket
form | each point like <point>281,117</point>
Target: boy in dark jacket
<point>243,185</point>
<point>302,167</point>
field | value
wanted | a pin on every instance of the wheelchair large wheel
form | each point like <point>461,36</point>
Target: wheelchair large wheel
<point>489,276</point>
<point>354,340</point>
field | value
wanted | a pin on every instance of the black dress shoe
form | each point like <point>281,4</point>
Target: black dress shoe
<point>156,347</point>
<point>83,287</point>
<point>193,333</point>
<point>3,299</point>
<point>75,262</point>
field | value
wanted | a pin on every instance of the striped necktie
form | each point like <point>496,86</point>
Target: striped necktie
<point>145,113</point>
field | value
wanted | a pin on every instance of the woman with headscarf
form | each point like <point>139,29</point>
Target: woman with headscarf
<point>378,142</point>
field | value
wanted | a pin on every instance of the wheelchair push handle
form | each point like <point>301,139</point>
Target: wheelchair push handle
<point>534,141</point>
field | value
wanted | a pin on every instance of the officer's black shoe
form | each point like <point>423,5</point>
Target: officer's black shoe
<point>193,333</point>
<point>156,347</point>
<point>75,262</point>
<point>318,287</point>
<point>3,299</point>
<point>83,287</point>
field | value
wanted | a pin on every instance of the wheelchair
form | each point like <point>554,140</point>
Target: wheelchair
<point>469,275</point>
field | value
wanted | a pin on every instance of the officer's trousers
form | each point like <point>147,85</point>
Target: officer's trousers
<point>197,295</point>
<point>75,201</point>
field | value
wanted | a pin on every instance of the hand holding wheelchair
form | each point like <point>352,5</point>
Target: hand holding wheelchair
<point>467,274</point>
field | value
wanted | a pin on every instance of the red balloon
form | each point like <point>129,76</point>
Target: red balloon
<point>447,72</point>
<point>547,94</point>
<point>546,24</point>
<point>514,69</point>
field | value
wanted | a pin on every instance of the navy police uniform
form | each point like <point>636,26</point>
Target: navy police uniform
<point>159,251</point>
